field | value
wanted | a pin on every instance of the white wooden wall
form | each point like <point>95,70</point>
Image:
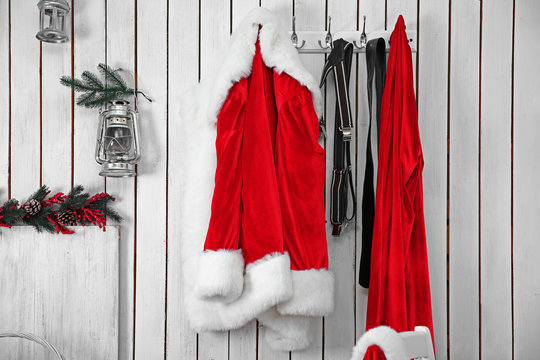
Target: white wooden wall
<point>48,281</point>
<point>478,102</point>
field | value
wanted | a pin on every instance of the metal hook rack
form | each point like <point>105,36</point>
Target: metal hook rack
<point>363,37</point>
<point>311,42</point>
<point>328,38</point>
<point>294,37</point>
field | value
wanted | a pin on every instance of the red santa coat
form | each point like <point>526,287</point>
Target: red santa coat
<point>264,241</point>
<point>399,294</point>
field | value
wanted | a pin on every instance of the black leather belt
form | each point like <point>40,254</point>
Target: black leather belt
<point>339,61</point>
<point>376,67</point>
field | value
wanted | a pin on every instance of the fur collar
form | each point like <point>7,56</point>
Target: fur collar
<point>277,52</point>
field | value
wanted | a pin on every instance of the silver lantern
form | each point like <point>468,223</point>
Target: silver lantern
<point>118,144</point>
<point>53,16</point>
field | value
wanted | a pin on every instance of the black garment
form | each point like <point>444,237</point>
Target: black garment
<point>376,65</point>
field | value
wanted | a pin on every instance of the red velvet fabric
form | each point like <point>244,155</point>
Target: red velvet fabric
<point>399,294</point>
<point>269,184</point>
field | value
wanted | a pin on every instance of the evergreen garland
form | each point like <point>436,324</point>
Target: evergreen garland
<point>53,211</point>
<point>95,92</point>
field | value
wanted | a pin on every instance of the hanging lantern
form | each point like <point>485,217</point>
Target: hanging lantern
<point>52,21</point>
<point>118,145</point>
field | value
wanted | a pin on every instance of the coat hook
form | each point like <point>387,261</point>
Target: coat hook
<point>328,38</point>
<point>294,37</point>
<point>363,37</point>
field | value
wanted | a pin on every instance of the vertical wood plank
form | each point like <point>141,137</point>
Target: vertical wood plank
<point>152,180</point>
<point>464,170</point>
<point>181,341</point>
<point>496,178</point>
<point>215,28</point>
<point>68,293</point>
<point>375,19</point>
<point>88,52</point>
<point>56,116</point>
<point>432,117</point>
<point>311,15</point>
<point>4,97</point>
<point>120,51</point>
<point>407,8</point>
<point>526,172</point>
<point>339,327</point>
<point>25,99</point>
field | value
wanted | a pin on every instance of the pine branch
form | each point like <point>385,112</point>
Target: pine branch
<point>96,92</point>
<point>40,223</point>
<point>94,210</point>
<point>111,75</point>
<point>77,85</point>
<point>85,98</point>
<point>40,193</point>
<point>112,214</point>
<point>10,212</point>
<point>92,79</point>
<point>103,205</point>
<point>76,199</point>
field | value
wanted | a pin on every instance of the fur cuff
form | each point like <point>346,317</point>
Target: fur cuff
<point>313,294</point>
<point>386,338</point>
<point>267,282</point>
<point>286,333</point>
<point>220,275</point>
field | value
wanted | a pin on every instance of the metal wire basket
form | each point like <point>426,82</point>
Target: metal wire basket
<point>35,339</point>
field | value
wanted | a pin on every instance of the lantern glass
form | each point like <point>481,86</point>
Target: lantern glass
<point>52,21</point>
<point>117,146</point>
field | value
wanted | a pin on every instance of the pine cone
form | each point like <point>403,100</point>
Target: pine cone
<point>67,218</point>
<point>32,207</point>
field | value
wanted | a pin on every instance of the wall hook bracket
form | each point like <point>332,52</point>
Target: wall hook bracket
<point>294,36</point>
<point>328,38</point>
<point>363,37</point>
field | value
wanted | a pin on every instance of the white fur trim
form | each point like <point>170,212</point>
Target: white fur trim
<point>313,294</point>
<point>220,276</point>
<point>286,333</point>
<point>266,283</point>
<point>387,339</point>
<point>276,50</point>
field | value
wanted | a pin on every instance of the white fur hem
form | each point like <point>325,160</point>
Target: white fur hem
<point>286,333</point>
<point>387,339</point>
<point>220,275</point>
<point>267,282</point>
<point>313,294</point>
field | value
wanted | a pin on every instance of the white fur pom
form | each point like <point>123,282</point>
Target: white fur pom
<point>384,337</point>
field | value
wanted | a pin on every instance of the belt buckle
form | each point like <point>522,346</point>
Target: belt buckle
<point>347,133</point>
